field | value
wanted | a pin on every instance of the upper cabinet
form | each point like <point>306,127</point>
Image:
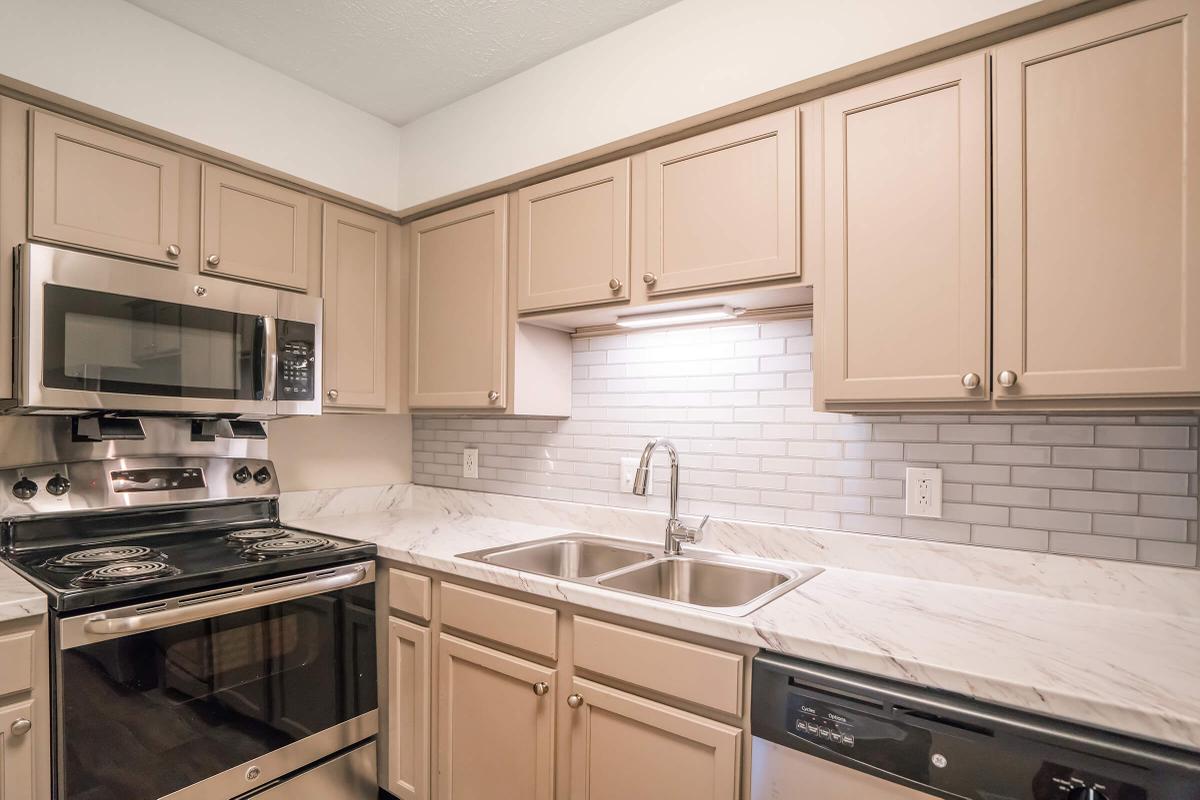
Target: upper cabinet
<point>573,239</point>
<point>1097,273</point>
<point>355,288</point>
<point>722,207</point>
<point>99,190</point>
<point>253,230</point>
<point>904,296</point>
<point>459,307</point>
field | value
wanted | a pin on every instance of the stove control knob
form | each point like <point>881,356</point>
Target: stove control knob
<point>263,475</point>
<point>242,475</point>
<point>1086,793</point>
<point>24,489</point>
<point>58,485</point>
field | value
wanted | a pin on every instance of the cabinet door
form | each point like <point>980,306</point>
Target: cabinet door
<point>495,725</point>
<point>906,245</point>
<point>354,287</point>
<point>459,319</point>
<point>573,239</point>
<point>406,764</point>
<point>99,190</point>
<point>624,746</point>
<point>17,762</point>
<point>722,206</point>
<point>1097,275</point>
<point>253,230</point>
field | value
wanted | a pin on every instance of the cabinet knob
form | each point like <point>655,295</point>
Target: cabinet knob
<point>541,688</point>
<point>649,279</point>
<point>173,250</point>
<point>970,381</point>
<point>493,395</point>
<point>199,291</point>
<point>332,394</point>
<point>214,260</point>
<point>575,700</point>
<point>615,284</point>
<point>1007,379</point>
<point>21,727</point>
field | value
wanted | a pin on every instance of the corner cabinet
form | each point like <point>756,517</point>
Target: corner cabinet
<point>458,264</point>
<point>722,208</point>
<point>99,190</point>
<point>355,288</point>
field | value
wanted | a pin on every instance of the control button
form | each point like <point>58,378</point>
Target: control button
<point>812,728</point>
<point>824,733</point>
<point>939,760</point>
<point>263,475</point>
<point>24,489</point>
<point>58,485</point>
<point>848,740</point>
<point>1086,793</point>
<point>837,737</point>
<point>242,475</point>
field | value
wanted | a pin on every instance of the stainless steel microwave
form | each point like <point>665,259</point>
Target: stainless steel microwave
<point>103,334</point>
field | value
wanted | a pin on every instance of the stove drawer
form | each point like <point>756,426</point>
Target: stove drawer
<point>16,663</point>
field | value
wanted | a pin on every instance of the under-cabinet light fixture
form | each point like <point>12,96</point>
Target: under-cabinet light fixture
<point>681,316</point>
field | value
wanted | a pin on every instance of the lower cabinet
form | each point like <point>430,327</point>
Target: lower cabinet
<point>495,724</point>
<point>624,746</point>
<point>18,760</point>
<point>406,760</point>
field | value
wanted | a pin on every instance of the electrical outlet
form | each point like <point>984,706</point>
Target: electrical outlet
<point>628,468</point>
<point>923,492</point>
<point>470,462</point>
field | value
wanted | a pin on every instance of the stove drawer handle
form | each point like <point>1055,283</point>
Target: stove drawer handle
<point>120,626</point>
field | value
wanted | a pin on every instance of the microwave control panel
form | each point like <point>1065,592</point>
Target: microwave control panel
<point>297,361</point>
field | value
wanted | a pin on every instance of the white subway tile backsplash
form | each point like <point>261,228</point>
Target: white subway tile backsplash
<point>737,401</point>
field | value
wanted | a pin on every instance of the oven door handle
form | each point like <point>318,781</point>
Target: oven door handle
<point>104,626</point>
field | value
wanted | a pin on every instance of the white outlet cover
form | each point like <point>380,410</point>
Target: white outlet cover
<point>470,462</point>
<point>628,468</point>
<point>923,492</point>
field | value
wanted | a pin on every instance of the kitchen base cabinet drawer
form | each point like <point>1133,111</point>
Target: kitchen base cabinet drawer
<point>624,747</point>
<point>690,672</point>
<point>409,593</point>
<point>16,663</point>
<point>513,622</point>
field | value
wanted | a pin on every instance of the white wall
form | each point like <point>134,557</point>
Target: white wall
<point>122,59</point>
<point>687,59</point>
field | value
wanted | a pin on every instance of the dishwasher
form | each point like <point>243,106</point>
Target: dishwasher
<point>822,733</point>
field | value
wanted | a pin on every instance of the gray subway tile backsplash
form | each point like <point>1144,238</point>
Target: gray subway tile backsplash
<point>737,401</point>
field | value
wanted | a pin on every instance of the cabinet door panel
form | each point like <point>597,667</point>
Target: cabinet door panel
<point>257,230</point>
<point>573,239</point>
<point>1097,197</point>
<point>408,710</point>
<point>624,746</point>
<point>722,207</point>
<point>354,287</point>
<point>102,191</point>
<point>459,307</point>
<point>906,245</point>
<point>495,733</point>
<point>18,779</point>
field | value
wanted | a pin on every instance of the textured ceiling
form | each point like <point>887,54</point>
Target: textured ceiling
<point>399,59</point>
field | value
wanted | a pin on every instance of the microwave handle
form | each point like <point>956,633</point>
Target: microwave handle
<point>270,364</point>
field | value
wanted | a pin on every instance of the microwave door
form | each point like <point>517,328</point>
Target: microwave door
<point>97,333</point>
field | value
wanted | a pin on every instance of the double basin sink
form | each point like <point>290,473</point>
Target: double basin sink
<point>725,584</point>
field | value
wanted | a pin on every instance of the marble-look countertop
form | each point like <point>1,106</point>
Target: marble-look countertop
<point>18,597</point>
<point>1130,670</point>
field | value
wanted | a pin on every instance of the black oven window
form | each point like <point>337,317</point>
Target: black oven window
<point>101,342</point>
<point>150,713</point>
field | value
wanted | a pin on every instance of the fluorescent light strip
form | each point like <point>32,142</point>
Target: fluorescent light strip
<point>682,316</point>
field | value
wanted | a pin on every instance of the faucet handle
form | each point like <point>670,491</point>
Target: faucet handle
<point>697,533</point>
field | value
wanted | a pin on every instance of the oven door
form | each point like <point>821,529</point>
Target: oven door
<point>212,695</point>
<point>99,333</point>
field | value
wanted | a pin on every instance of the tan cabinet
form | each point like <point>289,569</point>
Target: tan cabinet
<point>1097,273</point>
<point>354,269</point>
<point>99,190</point>
<point>625,746</point>
<point>459,321</point>
<point>406,759</point>
<point>573,239</point>
<point>722,207</point>
<point>253,230</point>
<point>904,297</point>
<point>495,724</point>
<point>18,762</point>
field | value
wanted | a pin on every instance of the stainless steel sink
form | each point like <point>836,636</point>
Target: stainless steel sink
<point>716,582</point>
<point>567,558</point>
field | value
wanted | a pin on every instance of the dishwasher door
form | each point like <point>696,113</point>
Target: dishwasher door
<point>781,773</point>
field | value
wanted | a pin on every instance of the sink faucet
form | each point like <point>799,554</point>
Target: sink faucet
<point>677,532</point>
